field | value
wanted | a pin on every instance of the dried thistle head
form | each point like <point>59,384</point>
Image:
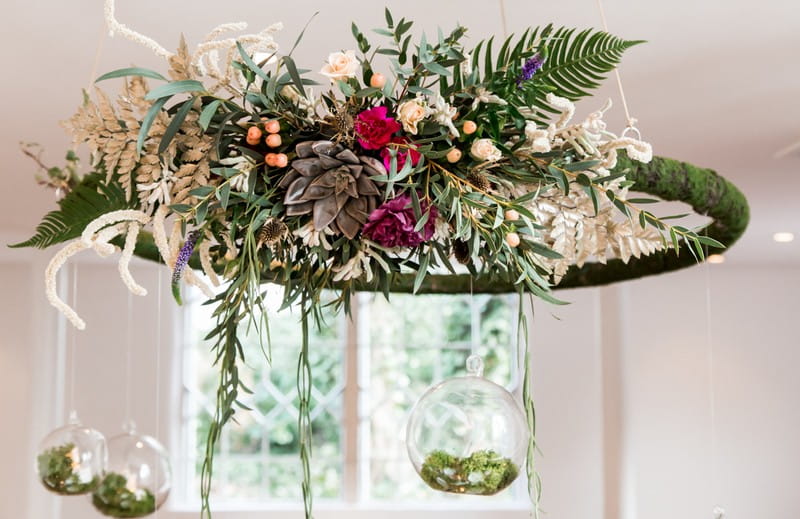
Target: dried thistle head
<point>271,232</point>
<point>343,122</point>
<point>479,181</point>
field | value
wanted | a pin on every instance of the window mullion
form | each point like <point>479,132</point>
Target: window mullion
<point>350,425</point>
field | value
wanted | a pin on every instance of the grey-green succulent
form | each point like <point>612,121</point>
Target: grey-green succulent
<point>333,184</point>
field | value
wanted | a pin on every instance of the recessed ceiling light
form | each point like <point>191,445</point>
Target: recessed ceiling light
<point>716,259</point>
<point>783,237</point>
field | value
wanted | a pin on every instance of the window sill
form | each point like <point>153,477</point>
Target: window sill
<point>363,511</point>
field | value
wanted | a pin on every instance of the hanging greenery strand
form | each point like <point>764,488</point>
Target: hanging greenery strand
<point>304,384</point>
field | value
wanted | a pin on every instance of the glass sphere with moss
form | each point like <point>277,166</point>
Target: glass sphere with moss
<point>138,478</point>
<point>468,435</point>
<point>71,459</point>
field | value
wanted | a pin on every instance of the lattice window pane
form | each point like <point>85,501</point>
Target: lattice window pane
<point>258,455</point>
<point>405,346</point>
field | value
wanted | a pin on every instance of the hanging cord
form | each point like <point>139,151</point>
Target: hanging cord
<point>129,424</point>
<point>474,338</point>
<point>718,511</point>
<point>304,385</point>
<point>503,20</point>
<point>98,53</point>
<point>73,340</point>
<point>158,360</point>
<point>630,121</point>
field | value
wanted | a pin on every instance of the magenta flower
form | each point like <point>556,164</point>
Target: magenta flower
<point>402,154</point>
<point>392,224</point>
<point>374,128</point>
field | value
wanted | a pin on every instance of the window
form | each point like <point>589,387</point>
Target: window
<point>368,374</point>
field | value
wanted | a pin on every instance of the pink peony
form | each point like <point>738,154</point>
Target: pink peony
<point>374,129</point>
<point>402,154</point>
<point>392,224</point>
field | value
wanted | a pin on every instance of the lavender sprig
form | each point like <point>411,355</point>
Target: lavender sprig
<point>531,66</point>
<point>180,263</point>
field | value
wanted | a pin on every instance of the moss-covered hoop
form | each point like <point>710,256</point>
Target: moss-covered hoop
<point>668,179</point>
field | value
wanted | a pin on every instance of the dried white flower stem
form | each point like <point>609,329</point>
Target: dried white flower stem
<point>125,215</point>
<point>51,277</point>
<point>115,27</point>
<point>160,234</point>
<point>125,261</point>
<point>205,261</point>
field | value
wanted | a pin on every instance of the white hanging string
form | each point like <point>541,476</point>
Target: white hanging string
<point>718,512</point>
<point>473,333</point>
<point>129,424</point>
<point>158,358</point>
<point>98,53</point>
<point>630,121</point>
<point>503,20</point>
<point>72,343</point>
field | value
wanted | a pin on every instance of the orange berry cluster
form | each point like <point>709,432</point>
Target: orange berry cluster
<point>272,140</point>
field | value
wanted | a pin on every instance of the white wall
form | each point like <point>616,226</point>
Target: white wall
<point>621,383</point>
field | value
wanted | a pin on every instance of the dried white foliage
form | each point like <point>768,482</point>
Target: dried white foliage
<point>572,227</point>
<point>111,133</point>
<point>574,230</point>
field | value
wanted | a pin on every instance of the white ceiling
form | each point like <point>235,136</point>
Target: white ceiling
<point>717,84</point>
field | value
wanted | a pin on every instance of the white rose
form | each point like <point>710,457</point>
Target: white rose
<point>539,139</point>
<point>484,149</point>
<point>410,113</point>
<point>341,65</point>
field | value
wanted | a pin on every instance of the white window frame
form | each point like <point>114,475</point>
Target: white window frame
<point>352,504</point>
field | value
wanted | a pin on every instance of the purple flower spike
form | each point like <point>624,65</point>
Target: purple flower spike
<point>531,66</point>
<point>180,264</point>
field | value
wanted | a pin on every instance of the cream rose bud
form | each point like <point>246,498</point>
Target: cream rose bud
<point>484,149</point>
<point>410,113</point>
<point>341,65</point>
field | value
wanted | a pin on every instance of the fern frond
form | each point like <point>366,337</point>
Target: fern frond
<point>91,198</point>
<point>579,62</point>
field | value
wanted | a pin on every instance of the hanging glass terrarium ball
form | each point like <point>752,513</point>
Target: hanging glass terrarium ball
<point>137,479</point>
<point>467,435</point>
<point>71,459</point>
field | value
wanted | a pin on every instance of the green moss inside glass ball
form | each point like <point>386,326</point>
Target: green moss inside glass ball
<point>483,473</point>
<point>57,472</point>
<point>114,499</point>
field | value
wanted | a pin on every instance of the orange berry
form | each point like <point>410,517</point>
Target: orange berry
<point>377,80</point>
<point>453,155</point>
<point>253,135</point>
<point>274,140</point>
<point>512,215</point>
<point>272,126</point>
<point>469,127</point>
<point>281,160</point>
<point>270,159</point>
<point>512,239</point>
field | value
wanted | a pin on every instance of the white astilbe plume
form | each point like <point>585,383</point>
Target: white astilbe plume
<point>97,236</point>
<point>125,261</point>
<point>115,27</point>
<point>211,52</point>
<point>205,260</point>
